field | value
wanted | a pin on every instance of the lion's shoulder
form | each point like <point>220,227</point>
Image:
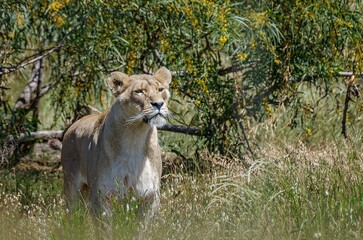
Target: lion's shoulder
<point>86,125</point>
<point>101,118</point>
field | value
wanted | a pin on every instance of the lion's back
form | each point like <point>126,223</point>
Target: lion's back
<point>76,142</point>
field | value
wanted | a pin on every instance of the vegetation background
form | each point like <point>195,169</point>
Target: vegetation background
<point>274,88</point>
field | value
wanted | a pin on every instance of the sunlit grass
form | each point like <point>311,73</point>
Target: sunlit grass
<point>291,192</point>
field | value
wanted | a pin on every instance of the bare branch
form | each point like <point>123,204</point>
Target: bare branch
<point>311,77</point>
<point>117,68</point>
<point>44,89</point>
<point>234,68</point>
<point>181,129</point>
<point>34,58</point>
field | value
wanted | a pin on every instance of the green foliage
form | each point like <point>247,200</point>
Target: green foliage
<point>233,61</point>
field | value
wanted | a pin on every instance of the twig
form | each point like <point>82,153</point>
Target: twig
<point>44,89</point>
<point>234,68</point>
<point>307,78</point>
<point>117,68</point>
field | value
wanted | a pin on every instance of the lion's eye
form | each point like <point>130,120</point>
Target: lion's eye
<point>138,91</point>
<point>161,89</point>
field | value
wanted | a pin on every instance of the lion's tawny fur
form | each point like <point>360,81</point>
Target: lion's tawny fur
<point>116,152</point>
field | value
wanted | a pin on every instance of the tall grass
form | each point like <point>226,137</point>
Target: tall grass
<point>301,186</point>
<point>291,192</point>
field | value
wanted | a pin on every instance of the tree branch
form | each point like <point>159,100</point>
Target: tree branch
<point>311,77</point>
<point>34,58</point>
<point>234,68</point>
<point>58,134</point>
<point>40,55</point>
<point>44,89</point>
<point>181,129</point>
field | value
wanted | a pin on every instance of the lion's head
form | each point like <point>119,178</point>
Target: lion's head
<point>143,98</point>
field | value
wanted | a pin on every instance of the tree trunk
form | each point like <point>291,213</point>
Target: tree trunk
<point>30,96</point>
<point>28,101</point>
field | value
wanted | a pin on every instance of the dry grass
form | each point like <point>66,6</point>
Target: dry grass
<point>291,191</point>
<point>300,186</point>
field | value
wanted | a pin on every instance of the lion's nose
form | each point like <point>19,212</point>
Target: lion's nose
<point>157,105</point>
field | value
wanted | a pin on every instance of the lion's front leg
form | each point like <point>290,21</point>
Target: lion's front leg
<point>155,205</point>
<point>96,202</point>
<point>101,199</point>
<point>150,207</point>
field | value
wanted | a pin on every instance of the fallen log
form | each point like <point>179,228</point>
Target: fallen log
<point>26,137</point>
<point>181,129</point>
<point>58,134</point>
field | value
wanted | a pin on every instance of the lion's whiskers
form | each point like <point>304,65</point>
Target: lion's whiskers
<point>137,117</point>
<point>146,113</point>
<point>134,118</point>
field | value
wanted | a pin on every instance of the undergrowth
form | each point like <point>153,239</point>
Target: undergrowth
<point>290,192</point>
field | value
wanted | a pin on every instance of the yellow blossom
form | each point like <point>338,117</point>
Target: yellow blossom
<point>267,107</point>
<point>260,19</point>
<point>20,19</point>
<point>187,10</point>
<point>330,72</point>
<point>253,45</point>
<point>277,61</point>
<point>222,40</point>
<point>59,21</point>
<point>203,85</point>
<point>242,56</point>
<point>131,63</point>
<point>55,6</point>
<point>308,132</point>
<point>11,35</point>
<point>195,22</point>
<point>133,56</point>
<point>171,59</point>
<point>276,57</point>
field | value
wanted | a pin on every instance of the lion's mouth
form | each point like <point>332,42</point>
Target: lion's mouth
<point>157,115</point>
<point>157,119</point>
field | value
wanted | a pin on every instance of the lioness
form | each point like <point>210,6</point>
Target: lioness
<point>117,152</point>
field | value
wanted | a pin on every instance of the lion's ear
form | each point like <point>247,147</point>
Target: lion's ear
<point>163,75</point>
<point>118,82</point>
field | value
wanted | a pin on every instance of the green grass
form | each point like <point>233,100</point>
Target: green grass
<point>291,192</point>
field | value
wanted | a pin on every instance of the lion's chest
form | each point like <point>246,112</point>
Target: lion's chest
<point>135,172</point>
